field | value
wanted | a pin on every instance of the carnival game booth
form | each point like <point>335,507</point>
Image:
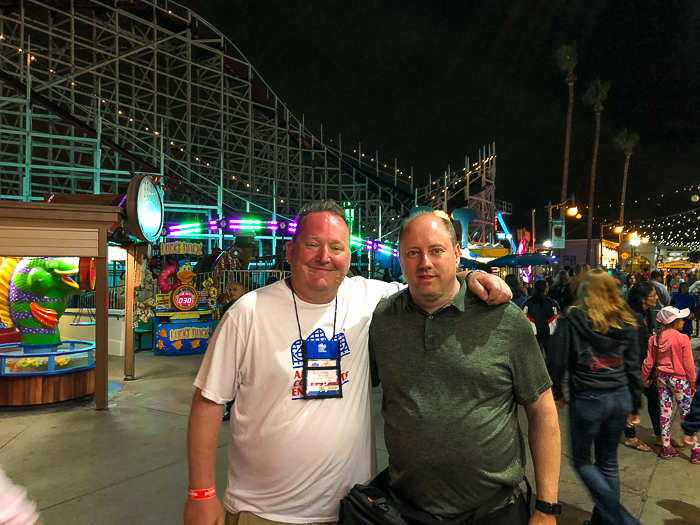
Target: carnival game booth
<point>49,251</point>
<point>183,309</point>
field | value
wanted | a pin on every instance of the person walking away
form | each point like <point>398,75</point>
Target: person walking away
<point>618,274</point>
<point>597,344</point>
<point>675,283</point>
<point>670,355</point>
<point>550,281</point>
<point>629,283</point>
<point>691,427</point>
<point>641,299</point>
<point>519,294</point>
<point>555,290</point>
<point>683,300</point>
<point>568,293</point>
<point>543,312</point>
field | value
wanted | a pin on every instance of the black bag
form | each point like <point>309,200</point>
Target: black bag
<point>373,505</point>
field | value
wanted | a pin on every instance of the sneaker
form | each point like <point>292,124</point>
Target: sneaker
<point>695,456</point>
<point>668,452</point>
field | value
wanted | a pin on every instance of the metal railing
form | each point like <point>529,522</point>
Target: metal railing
<point>250,279</point>
<point>115,296</point>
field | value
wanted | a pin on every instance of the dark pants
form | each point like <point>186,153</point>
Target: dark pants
<point>654,409</point>
<point>597,420</point>
<point>515,514</point>
<point>543,340</point>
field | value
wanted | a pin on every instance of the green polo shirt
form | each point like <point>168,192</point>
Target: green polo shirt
<point>452,382</point>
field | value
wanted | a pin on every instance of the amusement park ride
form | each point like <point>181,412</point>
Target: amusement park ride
<point>100,95</point>
<point>97,93</point>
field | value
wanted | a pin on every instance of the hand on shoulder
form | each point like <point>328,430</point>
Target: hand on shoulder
<point>489,288</point>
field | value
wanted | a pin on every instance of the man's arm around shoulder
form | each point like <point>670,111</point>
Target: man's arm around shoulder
<point>202,439</point>
<point>545,446</point>
<point>487,287</point>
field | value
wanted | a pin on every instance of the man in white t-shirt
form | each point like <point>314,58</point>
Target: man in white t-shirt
<point>292,459</point>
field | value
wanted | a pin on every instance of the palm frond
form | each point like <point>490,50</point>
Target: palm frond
<point>597,92</point>
<point>626,141</point>
<point>566,57</point>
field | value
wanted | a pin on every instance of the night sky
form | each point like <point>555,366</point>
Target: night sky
<point>429,82</point>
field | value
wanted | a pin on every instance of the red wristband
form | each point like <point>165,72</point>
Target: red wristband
<point>201,494</point>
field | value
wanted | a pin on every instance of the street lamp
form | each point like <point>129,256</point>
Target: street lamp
<point>618,229</point>
<point>573,210</point>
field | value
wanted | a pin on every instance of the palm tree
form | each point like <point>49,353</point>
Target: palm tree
<point>626,142</point>
<point>595,95</point>
<point>566,59</point>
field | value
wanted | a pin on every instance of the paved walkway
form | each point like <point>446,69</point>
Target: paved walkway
<point>128,464</point>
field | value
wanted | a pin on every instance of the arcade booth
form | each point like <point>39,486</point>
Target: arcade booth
<point>183,310</point>
<point>52,250</point>
<point>62,250</point>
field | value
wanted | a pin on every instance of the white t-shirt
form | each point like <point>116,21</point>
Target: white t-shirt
<point>290,459</point>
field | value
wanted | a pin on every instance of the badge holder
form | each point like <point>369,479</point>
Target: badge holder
<point>321,377</point>
<point>321,370</point>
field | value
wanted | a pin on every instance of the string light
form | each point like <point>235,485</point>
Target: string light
<point>426,192</point>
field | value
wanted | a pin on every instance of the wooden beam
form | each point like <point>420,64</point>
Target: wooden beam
<point>89,199</point>
<point>101,333</point>
<point>129,362</point>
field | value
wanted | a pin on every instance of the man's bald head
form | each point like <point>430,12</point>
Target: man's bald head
<point>447,224</point>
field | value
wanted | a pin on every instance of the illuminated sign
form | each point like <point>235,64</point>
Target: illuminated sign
<point>558,234</point>
<point>180,248</point>
<point>184,297</point>
<point>144,209</point>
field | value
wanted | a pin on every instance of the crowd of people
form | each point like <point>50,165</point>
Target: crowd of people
<point>618,337</point>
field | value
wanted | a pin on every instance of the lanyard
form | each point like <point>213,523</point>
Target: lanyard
<point>296,312</point>
<point>321,374</point>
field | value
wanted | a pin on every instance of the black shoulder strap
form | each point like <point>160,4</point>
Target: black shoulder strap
<point>420,517</point>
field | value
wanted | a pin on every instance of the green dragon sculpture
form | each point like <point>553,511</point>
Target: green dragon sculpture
<point>33,293</point>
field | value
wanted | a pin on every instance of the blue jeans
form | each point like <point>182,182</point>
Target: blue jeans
<point>597,419</point>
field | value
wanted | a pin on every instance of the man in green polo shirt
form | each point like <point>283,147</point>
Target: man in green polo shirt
<point>453,372</point>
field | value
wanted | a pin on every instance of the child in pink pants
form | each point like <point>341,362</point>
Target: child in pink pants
<point>670,356</point>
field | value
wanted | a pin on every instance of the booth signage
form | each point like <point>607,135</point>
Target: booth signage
<point>678,254</point>
<point>180,248</point>
<point>183,340</point>
<point>558,233</point>
<point>163,301</point>
<point>144,209</point>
